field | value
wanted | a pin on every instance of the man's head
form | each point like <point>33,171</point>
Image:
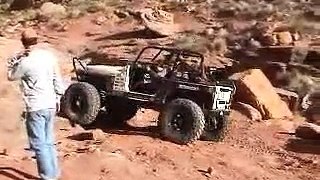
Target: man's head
<point>29,37</point>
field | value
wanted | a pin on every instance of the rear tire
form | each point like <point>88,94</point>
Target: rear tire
<point>81,103</point>
<point>182,121</point>
<point>216,132</point>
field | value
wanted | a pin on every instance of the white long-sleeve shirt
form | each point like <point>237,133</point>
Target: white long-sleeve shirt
<point>40,79</point>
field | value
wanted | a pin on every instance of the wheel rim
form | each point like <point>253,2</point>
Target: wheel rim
<point>177,122</point>
<point>181,122</point>
<point>78,103</point>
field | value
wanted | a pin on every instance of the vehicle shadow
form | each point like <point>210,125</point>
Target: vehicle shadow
<point>109,125</point>
<point>150,131</point>
<point>8,172</point>
<point>303,146</point>
<point>140,34</point>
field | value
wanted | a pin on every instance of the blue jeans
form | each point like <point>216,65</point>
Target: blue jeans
<point>41,137</point>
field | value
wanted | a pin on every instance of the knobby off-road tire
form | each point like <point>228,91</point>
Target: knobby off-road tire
<point>81,103</point>
<point>190,117</point>
<point>219,132</point>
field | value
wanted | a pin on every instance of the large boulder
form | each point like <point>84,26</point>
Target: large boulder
<point>254,88</point>
<point>285,38</point>
<point>248,110</point>
<point>50,10</point>
<point>159,22</point>
<point>308,131</point>
<point>311,104</point>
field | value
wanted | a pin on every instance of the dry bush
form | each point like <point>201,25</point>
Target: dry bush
<point>299,83</point>
<point>92,5</point>
<point>217,46</point>
<point>252,9</point>
<point>192,42</point>
<point>299,23</point>
<point>170,5</point>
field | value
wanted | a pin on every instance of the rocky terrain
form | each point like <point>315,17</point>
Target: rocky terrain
<point>270,48</point>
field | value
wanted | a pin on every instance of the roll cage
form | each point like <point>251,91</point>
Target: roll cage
<point>174,51</point>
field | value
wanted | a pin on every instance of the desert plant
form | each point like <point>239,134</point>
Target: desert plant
<point>192,42</point>
<point>93,5</point>
<point>218,46</point>
<point>299,83</point>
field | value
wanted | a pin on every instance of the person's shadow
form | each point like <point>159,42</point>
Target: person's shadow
<point>10,172</point>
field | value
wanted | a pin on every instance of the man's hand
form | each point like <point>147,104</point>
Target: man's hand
<point>57,107</point>
<point>15,60</point>
<point>12,62</point>
<point>23,116</point>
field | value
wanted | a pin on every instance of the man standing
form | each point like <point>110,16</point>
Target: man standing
<point>37,70</point>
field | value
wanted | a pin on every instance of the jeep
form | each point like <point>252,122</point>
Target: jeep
<point>193,100</point>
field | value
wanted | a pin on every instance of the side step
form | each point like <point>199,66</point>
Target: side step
<point>140,96</point>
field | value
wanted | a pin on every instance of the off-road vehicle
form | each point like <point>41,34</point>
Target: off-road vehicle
<point>192,100</point>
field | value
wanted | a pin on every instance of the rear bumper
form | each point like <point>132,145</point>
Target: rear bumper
<point>217,112</point>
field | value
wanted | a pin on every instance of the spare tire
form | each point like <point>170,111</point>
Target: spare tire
<point>81,103</point>
<point>182,121</point>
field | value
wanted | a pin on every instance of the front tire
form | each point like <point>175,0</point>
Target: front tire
<point>182,121</point>
<point>81,103</point>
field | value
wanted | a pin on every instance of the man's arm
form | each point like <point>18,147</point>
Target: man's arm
<point>57,81</point>
<point>15,69</point>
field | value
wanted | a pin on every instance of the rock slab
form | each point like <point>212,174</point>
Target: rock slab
<point>254,88</point>
<point>308,131</point>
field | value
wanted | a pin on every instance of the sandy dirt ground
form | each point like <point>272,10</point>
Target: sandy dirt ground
<point>253,150</point>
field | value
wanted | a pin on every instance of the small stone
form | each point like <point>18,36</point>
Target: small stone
<point>210,170</point>
<point>104,170</point>
<point>209,31</point>
<point>249,111</point>
<point>25,158</point>
<point>315,162</point>
<point>285,38</point>
<point>121,14</point>
<point>94,150</point>
<point>5,152</point>
<point>100,20</point>
<point>296,36</point>
<point>13,22</point>
<point>222,32</point>
<point>191,8</point>
<point>297,164</point>
<point>63,28</point>
<point>254,44</point>
<point>96,135</point>
<point>289,162</point>
<point>117,151</point>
